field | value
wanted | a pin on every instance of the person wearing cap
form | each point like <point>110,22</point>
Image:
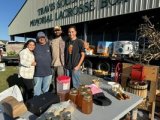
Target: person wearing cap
<point>43,71</point>
<point>57,47</point>
<point>74,56</point>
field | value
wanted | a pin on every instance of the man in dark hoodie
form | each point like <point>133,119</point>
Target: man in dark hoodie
<point>43,72</point>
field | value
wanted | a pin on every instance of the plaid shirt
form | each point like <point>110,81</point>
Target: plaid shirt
<point>25,69</point>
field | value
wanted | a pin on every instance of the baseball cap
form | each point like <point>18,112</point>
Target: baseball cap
<point>57,27</point>
<point>40,35</point>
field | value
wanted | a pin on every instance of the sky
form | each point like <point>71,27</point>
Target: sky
<point>8,10</point>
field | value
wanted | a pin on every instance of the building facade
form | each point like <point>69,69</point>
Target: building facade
<point>96,20</point>
<point>105,20</point>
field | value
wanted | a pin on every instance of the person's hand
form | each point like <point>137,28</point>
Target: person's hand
<point>34,63</point>
<point>77,68</point>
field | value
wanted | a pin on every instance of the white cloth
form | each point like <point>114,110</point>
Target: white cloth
<point>13,91</point>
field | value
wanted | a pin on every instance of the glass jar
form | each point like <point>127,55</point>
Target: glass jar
<point>88,90</point>
<point>73,95</point>
<point>81,88</point>
<point>48,116</point>
<point>81,94</point>
<point>67,115</point>
<point>87,104</point>
<point>56,117</point>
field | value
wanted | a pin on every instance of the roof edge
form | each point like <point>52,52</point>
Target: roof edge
<point>17,13</point>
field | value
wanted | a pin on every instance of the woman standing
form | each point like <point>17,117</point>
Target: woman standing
<point>27,67</point>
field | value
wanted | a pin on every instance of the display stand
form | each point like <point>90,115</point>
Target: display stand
<point>151,74</point>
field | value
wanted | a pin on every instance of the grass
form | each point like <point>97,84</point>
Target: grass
<point>9,77</point>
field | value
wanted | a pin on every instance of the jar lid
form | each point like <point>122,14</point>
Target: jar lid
<point>87,96</point>
<point>88,89</point>
<point>82,92</point>
<point>73,91</point>
<point>81,86</point>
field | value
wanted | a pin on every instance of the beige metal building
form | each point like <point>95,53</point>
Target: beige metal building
<point>95,20</point>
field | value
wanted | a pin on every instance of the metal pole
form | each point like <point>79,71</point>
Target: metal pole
<point>85,32</point>
<point>25,38</point>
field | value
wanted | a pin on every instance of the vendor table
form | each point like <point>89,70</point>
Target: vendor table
<point>115,111</point>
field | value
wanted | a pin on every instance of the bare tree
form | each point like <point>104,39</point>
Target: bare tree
<point>151,41</point>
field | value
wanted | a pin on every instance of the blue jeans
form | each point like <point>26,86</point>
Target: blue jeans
<point>75,77</point>
<point>42,84</point>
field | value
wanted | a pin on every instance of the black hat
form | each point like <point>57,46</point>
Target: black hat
<point>101,99</point>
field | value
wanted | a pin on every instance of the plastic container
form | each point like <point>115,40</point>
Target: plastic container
<point>63,83</point>
<point>63,95</point>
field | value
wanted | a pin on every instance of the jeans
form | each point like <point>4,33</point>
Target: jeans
<point>42,84</point>
<point>75,77</point>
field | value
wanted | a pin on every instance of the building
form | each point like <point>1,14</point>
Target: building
<point>2,45</point>
<point>96,20</point>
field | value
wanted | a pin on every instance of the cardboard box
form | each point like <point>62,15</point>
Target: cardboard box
<point>13,107</point>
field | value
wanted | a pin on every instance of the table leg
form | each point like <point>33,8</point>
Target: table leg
<point>151,116</point>
<point>134,114</point>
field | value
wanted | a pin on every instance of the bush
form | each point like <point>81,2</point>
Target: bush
<point>12,53</point>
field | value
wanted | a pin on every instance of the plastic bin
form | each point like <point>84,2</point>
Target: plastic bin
<point>63,83</point>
